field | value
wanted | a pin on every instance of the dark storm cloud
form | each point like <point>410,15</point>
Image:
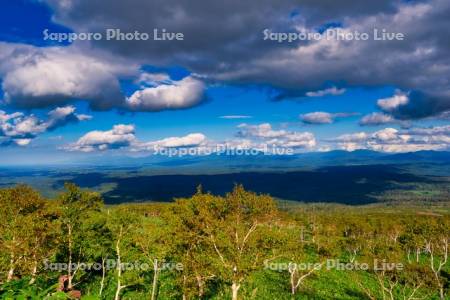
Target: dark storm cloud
<point>224,43</point>
<point>421,105</point>
<point>217,33</point>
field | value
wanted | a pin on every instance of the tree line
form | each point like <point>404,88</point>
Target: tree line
<point>236,246</point>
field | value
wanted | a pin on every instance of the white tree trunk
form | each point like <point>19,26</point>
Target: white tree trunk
<point>155,278</point>
<point>119,267</point>
<point>119,288</point>
<point>200,286</point>
<point>34,271</point>
<point>11,268</point>
<point>10,274</point>
<point>293,287</point>
<point>69,269</point>
<point>441,293</point>
<point>234,290</point>
<point>292,271</point>
<point>102,283</point>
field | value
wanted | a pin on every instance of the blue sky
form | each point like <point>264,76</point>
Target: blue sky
<point>216,94</point>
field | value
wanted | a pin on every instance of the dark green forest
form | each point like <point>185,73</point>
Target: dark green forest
<point>240,245</point>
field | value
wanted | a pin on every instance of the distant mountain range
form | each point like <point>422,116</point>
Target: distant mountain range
<point>225,163</point>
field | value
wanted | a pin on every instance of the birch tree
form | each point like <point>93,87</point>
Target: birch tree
<point>18,207</point>
<point>236,230</point>
<point>75,205</point>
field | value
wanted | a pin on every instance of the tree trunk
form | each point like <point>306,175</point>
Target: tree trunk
<point>10,274</point>
<point>439,284</point>
<point>119,288</point>
<point>155,278</point>
<point>34,271</point>
<point>201,291</point>
<point>234,290</point>
<point>293,289</point>
<point>292,279</point>
<point>302,238</point>
<point>184,286</point>
<point>119,267</point>
<point>102,283</point>
<point>69,268</point>
<point>11,268</point>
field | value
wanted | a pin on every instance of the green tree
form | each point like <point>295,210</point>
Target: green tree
<point>19,207</point>
<point>191,246</point>
<point>123,223</point>
<point>153,240</point>
<point>235,230</point>
<point>98,243</point>
<point>75,207</point>
<point>438,248</point>
<point>303,262</point>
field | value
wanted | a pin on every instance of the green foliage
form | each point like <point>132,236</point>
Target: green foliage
<point>216,247</point>
<point>21,289</point>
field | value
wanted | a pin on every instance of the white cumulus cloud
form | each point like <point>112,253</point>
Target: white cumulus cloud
<point>190,140</point>
<point>318,117</point>
<point>392,103</point>
<point>123,136</point>
<point>376,118</point>
<point>21,129</point>
<point>394,140</point>
<point>181,94</point>
<point>41,77</point>
<point>281,138</point>
<point>119,136</point>
<point>321,117</point>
